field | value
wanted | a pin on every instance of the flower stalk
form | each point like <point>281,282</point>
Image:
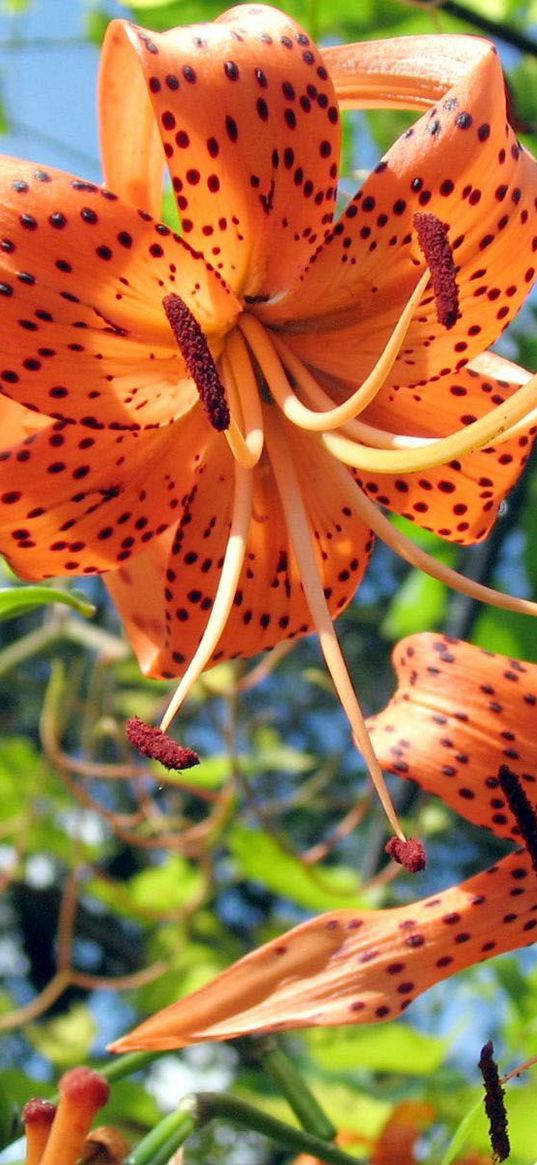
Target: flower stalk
<point>198,1110</point>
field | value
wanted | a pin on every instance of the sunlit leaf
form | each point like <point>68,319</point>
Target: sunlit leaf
<point>15,601</point>
<point>393,1047</point>
<point>66,1039</point>
<point>262,859</point>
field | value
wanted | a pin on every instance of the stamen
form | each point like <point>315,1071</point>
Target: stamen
<point>410,854</point>
<point>314,394</point>
<point>82,1093</point>
<point>433,240</point>
<point>263,347</point>
<point>245,405</point>
<point>373,517</point>
<point>488,430</point>
<point>521,808</point>
<point>37,1116</point>
<point>226,590</point>
<point>199,362</point>
<point>301,536</point>
<point>494,1104</point>
<point>152,742</point>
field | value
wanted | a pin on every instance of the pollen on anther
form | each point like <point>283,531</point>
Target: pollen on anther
<point>152,742</point>
<point>434,242</point>
<point>199,362</point>
<point>410,853</point>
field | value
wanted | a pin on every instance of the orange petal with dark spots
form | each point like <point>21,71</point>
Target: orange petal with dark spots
<point>459,712</point>
<point>250,128</point>
<point>354,967</point>
<point>83,331</point>
<point>460,162</point>
<point>164,618</point>
<point>458,501</point>
<point>75,501</point>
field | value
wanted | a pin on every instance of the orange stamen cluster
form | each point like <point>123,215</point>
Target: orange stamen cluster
<point>58,1135</point>
<point>199,362</point>
<point>434,242</point>
<point>152,742</point>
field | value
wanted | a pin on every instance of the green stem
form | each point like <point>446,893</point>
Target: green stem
<point>196,1111</point>
<point>303,1103</point>
<point>124,1065</point>
<point>221,1105</point>
<point>163,1141</point>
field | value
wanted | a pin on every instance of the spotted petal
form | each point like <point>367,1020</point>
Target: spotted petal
<point>165,620</point>
<point>371,262</point>
<point>459,712</point>
<point>354,967</point>
<point>73,501</point>
<point>458,501</point>
<point>82,279</point>
<point>250,128</point>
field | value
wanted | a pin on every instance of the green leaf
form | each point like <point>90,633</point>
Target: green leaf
<point>468,1127</point>
<point>393,1047</point>
<point>262,859</point>
<point>161,888</point>
<point>419,605</point>
<point>15,601</point>
<point>65,1040</point>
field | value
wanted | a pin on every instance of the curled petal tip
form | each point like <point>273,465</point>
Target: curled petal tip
<point>152,742</point>
<point>409,853</point>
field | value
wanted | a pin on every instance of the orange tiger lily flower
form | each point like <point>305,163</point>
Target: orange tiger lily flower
<point>228,409</point>
<point>458,716</point>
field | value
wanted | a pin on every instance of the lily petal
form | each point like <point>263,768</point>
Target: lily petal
<point>82,279</point>
<point>372,260</point>
<point>164,620</point>
<point>460,501</point>
<point>73,501</point>
<point>250,127</point>
<point>408,72</point>
<point>17,423</point>
<point>458,713</point>
<point>354,967</point>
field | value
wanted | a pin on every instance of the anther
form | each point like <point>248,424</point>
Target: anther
<point>152,742</point>
<point>521,808</point>
<point>494,1104</point>
<point>37,1116</point>
<point>199,362</point>
<point>410,853</point>
<point>433,240</point>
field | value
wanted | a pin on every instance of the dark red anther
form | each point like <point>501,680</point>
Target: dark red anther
<point>521,808</point>
<point>434,242</point>
<point>38,1112</point>
<point>410,853</point>
<point>199,362</point>
<point>156,744</point>
<point>494,1104</point>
